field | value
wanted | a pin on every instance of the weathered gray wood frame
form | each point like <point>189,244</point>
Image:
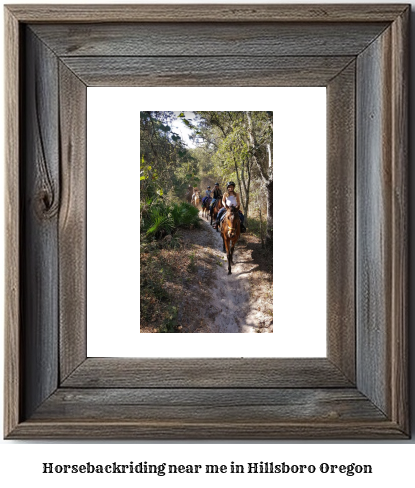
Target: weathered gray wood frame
<point>359,52</point>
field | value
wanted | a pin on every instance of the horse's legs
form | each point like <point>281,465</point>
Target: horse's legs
<point>232,248</point>
<point>227,249</point>
<point>212,215</point>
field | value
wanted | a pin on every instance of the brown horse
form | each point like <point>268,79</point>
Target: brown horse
<point>230,230</point>
<point>206,208</point>
<point>215,209</point>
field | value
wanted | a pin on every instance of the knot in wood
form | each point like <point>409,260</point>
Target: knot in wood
<point>46,206</point>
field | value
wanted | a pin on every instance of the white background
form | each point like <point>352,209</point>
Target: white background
<point>20,462</point>
<point>299,222</point>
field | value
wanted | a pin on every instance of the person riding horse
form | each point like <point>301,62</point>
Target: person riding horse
<point>206,197</point>
<point>230,199</point>
<point>216,203</point>
<point>195,193</point>
<point>217,194</point>
<point>206,203</point>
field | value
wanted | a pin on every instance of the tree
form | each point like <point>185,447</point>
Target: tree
<point>260,130</point>
<point>237,146</point>
<point>165,161</point>
<point>226,133</point>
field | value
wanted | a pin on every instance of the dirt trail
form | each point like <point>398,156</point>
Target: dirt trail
<point>231,306</point>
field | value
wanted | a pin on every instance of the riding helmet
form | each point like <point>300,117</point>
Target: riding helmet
<point>230,183</point>
<point>216,184</point>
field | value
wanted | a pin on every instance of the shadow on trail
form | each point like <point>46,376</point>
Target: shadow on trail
<point>255,268</point>
<point>262,257</point>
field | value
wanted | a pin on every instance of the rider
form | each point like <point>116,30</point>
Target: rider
<point>207,192</point>
<point>230,198</point>
<point>217,193</point>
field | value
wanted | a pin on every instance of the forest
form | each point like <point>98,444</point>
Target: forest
<point>229,146</point>
<point>179,150</point>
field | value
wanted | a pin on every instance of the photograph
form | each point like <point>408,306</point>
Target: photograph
<point>206,222</point>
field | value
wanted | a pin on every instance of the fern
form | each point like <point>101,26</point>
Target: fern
<point>160,219</point>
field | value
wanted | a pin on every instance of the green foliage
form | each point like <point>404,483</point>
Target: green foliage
<point>159,222</point>
<point>238,146</point>
<point>164,157</point>
<point>185,215</point>
<point>159,219</point>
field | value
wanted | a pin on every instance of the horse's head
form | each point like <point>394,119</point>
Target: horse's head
<point>232,221</point>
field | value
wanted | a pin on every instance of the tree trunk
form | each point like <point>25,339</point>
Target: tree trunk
<point>239,182</point>
<point>270,217</point>
<point>269,155</point>
<point>247,193</point>
<point>265,169</point>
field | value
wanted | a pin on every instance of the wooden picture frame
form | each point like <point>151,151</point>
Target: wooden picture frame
<point>360,53</point>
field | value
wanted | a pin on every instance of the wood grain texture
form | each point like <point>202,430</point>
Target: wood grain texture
<point>205,71</point>
<point>72,222</point>
<point>40,205</point>
<point>373,222</point>
<point>399,153</point>
<point>209,405</point>
<point>207,13</point>
<point>12,383</point>
<point>341,315</point>
<point>206,373</point>
<point>207,39</point>
<point>374,430</point>
<point>188,429</point>
<point>382,223</point>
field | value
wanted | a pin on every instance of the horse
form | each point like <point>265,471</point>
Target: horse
<point>196,199</point>
<point>206,207</point>
<point>230,230</point>
<point>215,209</point>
